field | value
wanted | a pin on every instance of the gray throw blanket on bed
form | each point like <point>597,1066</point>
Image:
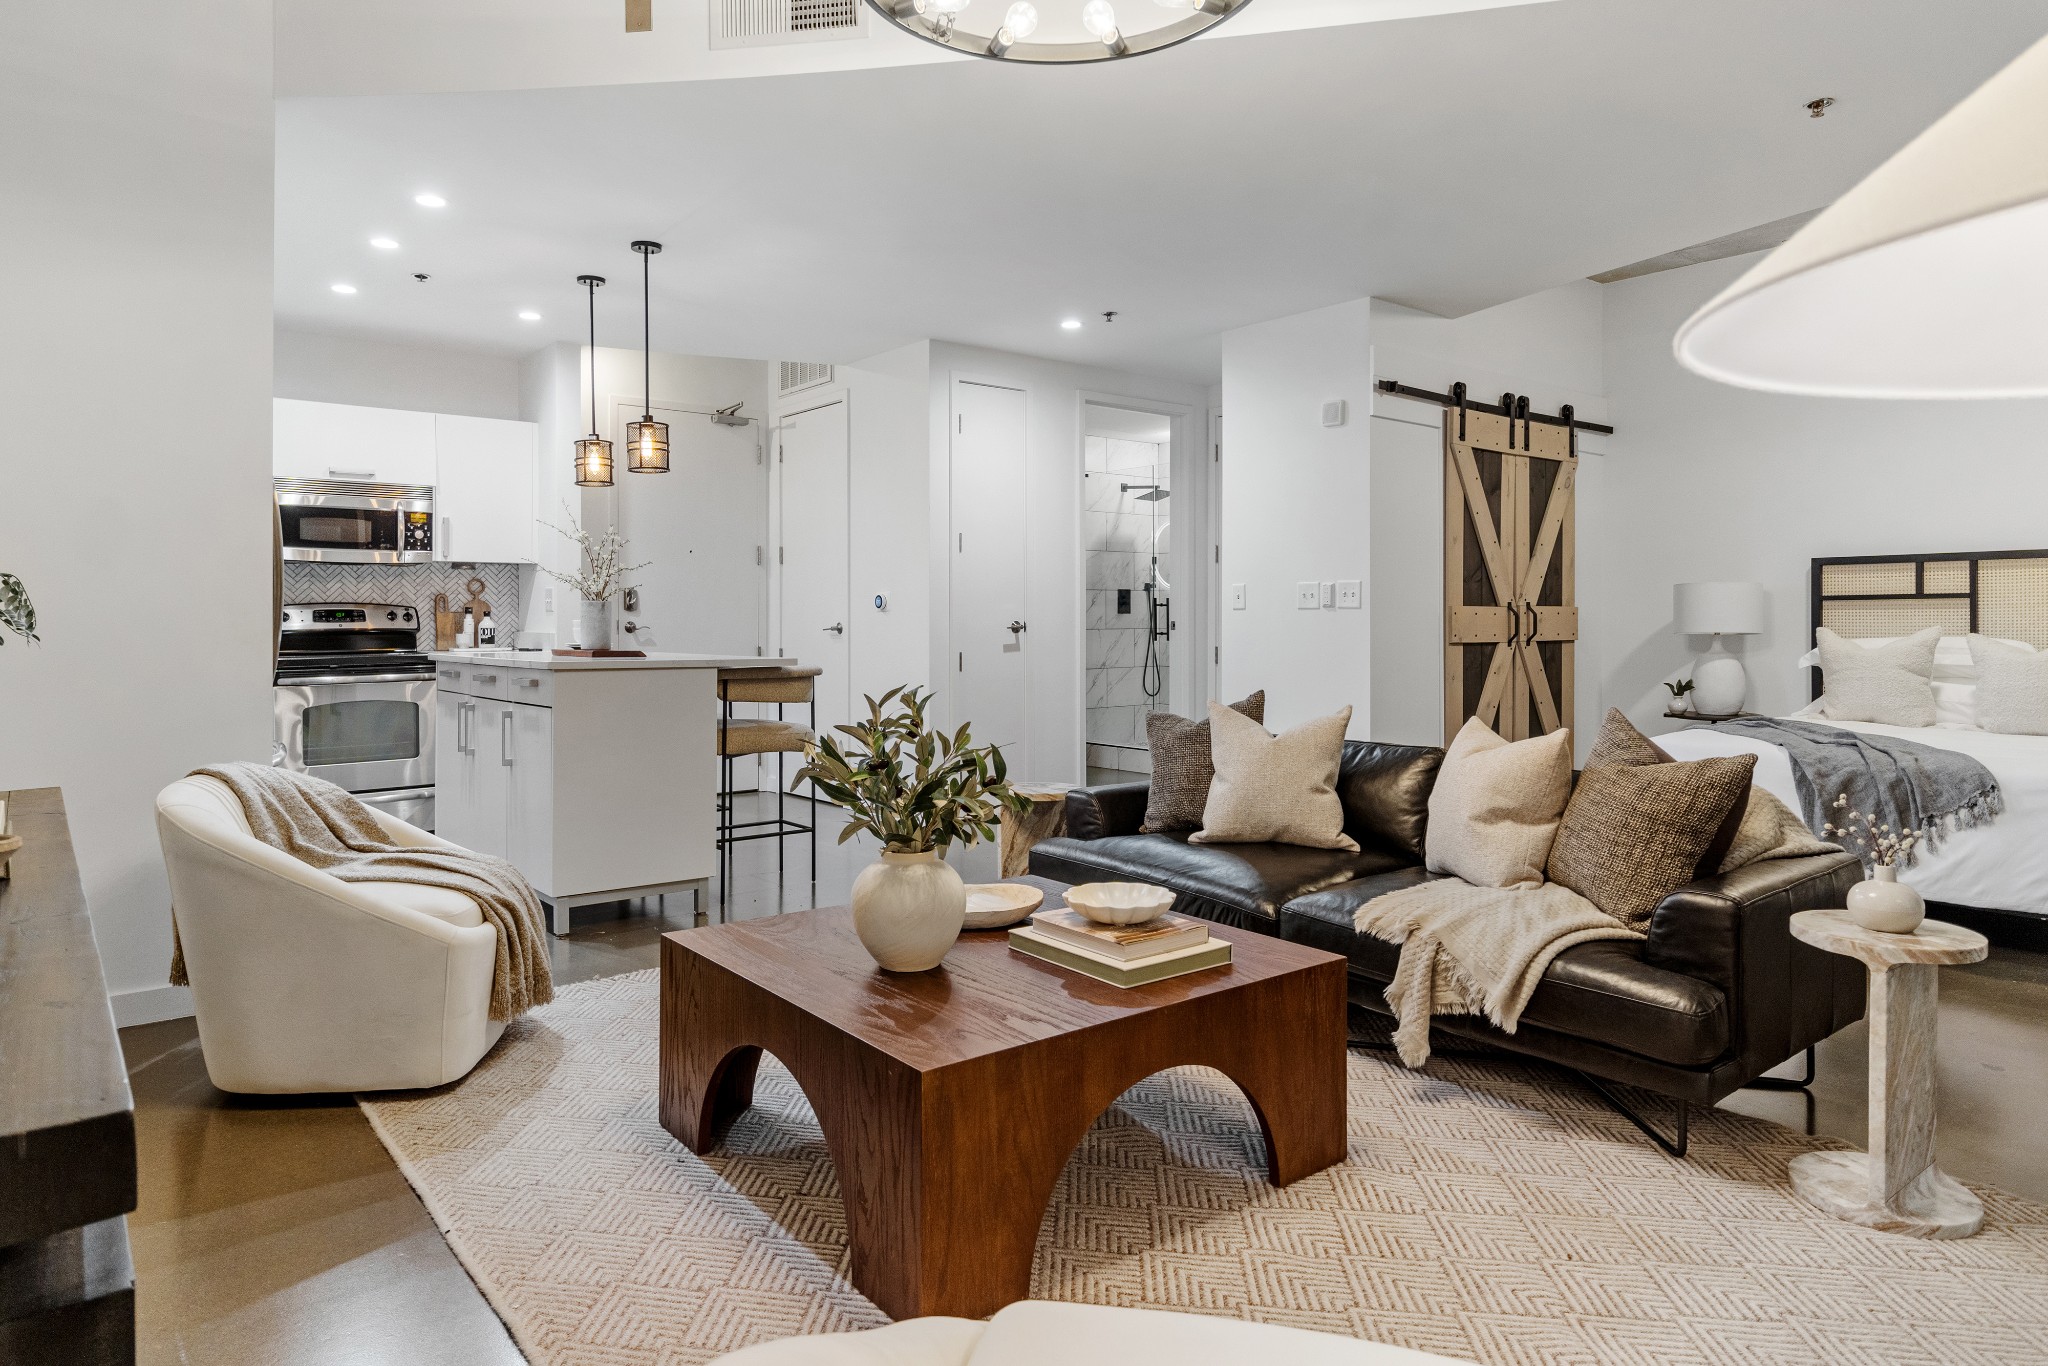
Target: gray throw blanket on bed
<point>323,827</point>
<point>1898,783</point>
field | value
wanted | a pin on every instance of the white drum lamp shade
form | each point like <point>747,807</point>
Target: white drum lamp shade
<point>1927,280</point>
<point>1717,609</point>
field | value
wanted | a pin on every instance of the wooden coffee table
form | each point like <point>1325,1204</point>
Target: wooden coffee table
<point>951,1100</point>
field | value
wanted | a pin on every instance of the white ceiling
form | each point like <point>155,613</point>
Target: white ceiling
<point>1446,162</point>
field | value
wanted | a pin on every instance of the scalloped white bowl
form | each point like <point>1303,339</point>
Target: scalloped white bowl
<point>1120,903</point>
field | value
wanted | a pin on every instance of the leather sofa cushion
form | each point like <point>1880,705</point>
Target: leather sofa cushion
<point>1232,884</point>
<point>1602,991</point>
<point>442,903</point>
<point>1385,790</point>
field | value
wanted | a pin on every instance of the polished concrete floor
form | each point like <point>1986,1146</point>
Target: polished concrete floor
<point>278,1231</point>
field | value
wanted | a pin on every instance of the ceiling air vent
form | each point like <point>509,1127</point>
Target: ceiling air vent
<point>802,374</point>
<point>757,23</point>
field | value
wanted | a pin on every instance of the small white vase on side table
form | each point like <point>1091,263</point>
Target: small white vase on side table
<point>594,625</point>
<point>1895,1186</point>
<point>908,910</point>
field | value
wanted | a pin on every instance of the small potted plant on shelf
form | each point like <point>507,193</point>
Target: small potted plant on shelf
<point>600,578</point>
<point>1678,690</point>
<point>1881,902</point>
<point>918,791</point>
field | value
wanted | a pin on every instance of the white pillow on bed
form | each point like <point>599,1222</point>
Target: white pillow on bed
<point>2012,692</point>
<point>1886,684</point>
<point>1955,706</point>
<point>1952,660</point>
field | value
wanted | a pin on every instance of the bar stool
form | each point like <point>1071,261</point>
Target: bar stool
<point>741,735</point>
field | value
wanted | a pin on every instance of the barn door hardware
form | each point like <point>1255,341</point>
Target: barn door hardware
<point>1459,400</point>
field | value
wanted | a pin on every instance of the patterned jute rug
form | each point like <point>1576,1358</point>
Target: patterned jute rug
<point>1487,1210</point>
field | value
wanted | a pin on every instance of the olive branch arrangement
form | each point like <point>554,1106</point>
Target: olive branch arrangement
<point>914,789</point>
<point>1885,848</point>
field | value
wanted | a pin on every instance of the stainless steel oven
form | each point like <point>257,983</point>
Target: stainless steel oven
<point>351,523</point>
<point>354,703</point>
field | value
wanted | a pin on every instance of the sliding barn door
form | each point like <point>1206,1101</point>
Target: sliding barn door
<point>1509,614</point>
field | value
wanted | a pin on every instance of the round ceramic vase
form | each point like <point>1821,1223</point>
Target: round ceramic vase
<point>1885,904</point>
<point>908,910</point>
<point>594,625</point>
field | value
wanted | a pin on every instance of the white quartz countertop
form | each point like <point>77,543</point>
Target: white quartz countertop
<point>544,659</point>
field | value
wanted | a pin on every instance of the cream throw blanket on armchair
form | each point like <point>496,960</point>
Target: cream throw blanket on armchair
<point>1469,950</point>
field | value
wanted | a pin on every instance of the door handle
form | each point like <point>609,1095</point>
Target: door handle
<point>1514,623</point>
<point>1016,627</point>
<point>447,547</point>
<point>461,717</point>
<point>1530,608</point>
<point>837,628</point>
<point>505,738</point>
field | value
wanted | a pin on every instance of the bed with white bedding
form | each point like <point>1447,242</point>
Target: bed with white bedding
<point>2000,868</point>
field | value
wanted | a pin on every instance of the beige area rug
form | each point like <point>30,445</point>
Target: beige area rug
<point>1487,1210</point>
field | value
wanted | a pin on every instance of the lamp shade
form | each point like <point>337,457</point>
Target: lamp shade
<point>1717,609</point>
<point>1927,280</point>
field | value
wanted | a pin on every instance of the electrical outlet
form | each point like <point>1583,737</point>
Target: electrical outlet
<point>1350,593</point>
<point>1237,597</point>
<point>1329,593</point>
<point>1308,595</point>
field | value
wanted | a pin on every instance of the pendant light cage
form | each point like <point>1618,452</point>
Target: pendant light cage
<point>593,452</point>
<point>646,440</point>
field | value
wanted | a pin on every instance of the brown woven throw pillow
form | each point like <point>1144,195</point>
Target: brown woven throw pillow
<point>1619,742</point>
<point>1182,767</point>
<point>1632,835</point>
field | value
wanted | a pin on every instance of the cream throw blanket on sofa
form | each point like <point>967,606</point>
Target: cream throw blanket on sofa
<point>323,827</point>
<point>1469,950</point>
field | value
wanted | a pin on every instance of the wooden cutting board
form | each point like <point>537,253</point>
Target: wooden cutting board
<point>446,623</point>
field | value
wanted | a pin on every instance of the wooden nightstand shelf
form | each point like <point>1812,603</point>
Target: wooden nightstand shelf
<point>1710,720</point>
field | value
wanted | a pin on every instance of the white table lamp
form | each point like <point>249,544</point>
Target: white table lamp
<point>1717,609</point>
<point>1927,280</point>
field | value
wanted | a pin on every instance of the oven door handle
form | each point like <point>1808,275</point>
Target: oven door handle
<point>355,678</point>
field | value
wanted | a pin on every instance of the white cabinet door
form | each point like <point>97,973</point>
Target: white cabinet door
<point>528,736</point>
<point>342,441</point>
<point>490,748</point>
<point>486,469</point>
<point>456,817</point>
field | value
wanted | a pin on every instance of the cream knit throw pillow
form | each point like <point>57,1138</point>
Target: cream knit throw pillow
<point>1494,811</point>
<point>1275,789</point>
<point>2012,686</point>
<point>1887,684</point>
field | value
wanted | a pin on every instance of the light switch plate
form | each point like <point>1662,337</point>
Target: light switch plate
<point>1237,597</point>
<point>1329,593</point>
<point>1308,595</point>
<point>1349,593</point>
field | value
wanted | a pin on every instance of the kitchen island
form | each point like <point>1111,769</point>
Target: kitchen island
<point>596,778</point>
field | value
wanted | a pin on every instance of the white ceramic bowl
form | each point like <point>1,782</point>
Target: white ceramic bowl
<point>1120,903</point>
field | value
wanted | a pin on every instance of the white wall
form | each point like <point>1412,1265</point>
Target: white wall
<point>135,259</point>
<point>1296,502</point>
<point>329,367</point>
<point>890,470</point>
<point>1713,482</point>
<point>1053,518</point>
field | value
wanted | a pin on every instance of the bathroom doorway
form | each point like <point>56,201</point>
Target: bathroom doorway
<point>1126,542</point>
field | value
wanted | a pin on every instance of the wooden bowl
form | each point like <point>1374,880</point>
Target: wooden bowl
<point>994,905</point>
<point>1120,903</point>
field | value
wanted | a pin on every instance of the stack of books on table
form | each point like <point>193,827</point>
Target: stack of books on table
<point>1122,955</point>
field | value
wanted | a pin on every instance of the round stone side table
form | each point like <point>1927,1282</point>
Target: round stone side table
<point>1895,1186</point>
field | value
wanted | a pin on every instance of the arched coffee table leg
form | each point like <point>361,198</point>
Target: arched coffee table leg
<point>708,1099</point>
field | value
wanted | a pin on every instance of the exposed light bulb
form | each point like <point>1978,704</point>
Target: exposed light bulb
<point>947,8</point>
<point>343,289</point>
<point>430,201</point>
<point>1021,21</point>
<point>1099,18</point>
<point>383,244</point>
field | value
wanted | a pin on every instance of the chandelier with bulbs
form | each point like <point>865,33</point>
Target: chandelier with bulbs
<point>1071,31</point>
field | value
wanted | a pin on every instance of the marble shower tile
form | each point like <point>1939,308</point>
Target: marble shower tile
<point>1101,608</point>
<point>1111,725</point>
<point>1101,492</point>
<point>1095,453</point>
<point>1112,569</point>
<point>1112,648</point>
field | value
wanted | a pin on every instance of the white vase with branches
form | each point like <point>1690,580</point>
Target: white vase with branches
<point>1881,902</point>
<point>600,577</point>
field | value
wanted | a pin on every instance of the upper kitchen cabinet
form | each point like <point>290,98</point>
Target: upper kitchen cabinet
<point>485,490</point>
<point>342,441</point>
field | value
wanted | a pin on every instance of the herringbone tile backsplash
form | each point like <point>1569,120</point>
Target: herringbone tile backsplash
<point>408,585</point>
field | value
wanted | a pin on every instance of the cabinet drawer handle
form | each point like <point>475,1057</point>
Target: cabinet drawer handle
<point>505,738</point>
<point>486,678</point>
<point>333,473</point>
<point>529,682</point>
<point>455,674</point>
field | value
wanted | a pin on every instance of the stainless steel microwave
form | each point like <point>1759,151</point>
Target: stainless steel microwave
<point>349,523</point>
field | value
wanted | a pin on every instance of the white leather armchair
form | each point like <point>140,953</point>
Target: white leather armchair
<point>303,982</point>
<point>1036,1332</point>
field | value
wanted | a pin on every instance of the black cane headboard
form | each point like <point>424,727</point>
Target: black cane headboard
<point>1996,592</point>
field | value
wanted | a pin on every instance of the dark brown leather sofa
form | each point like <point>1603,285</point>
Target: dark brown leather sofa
<point>1717,995</point>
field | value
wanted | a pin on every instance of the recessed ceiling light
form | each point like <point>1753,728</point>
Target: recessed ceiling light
<point>383,244</point>
<point>529,316</point>
<point>343,289</point>
<point>430,201</point>
<point>1072,324</point>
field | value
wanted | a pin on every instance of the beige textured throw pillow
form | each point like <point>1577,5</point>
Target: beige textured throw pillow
<point>1275,789</point>
<point>1495,808</point>
<point>2012,687</point>
<point>1181,767</point>
<point>1887,684</point>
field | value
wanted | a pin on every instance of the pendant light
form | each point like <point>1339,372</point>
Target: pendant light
<point>646,440</point>
<point>593,452</point>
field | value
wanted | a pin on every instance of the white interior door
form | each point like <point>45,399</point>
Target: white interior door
<point>816,620</point>
<point>702,531</point>
<point>991,635</point>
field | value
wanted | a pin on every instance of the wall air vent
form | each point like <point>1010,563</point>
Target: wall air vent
<point>756,23</point>
<point>801,374</point>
